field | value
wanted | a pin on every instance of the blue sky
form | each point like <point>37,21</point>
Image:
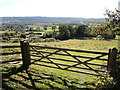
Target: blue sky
<point>57,8</point>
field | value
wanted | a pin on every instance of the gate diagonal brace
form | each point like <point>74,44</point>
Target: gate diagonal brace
<point>43,56</point>
<point>38,53</point>
<point>53,62</point>
<point>72,66</point>
<point>92,69</point>
<point>73,56</point>
<point>80,62</point>
<point>93,58</point>
<point>85,63</point>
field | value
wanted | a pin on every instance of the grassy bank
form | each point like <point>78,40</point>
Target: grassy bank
<point>39,77</point>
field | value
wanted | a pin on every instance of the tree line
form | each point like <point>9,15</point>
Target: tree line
<point>108,29</point>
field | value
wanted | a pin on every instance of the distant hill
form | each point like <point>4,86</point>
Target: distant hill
<point>53,19</point>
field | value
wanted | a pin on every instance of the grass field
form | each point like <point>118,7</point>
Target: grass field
<point>96,45</point>
<point>39,77</point>
<point>1,32</point>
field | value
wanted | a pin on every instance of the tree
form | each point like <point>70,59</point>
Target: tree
<point>80,32</point>
<point>31,29</point>
<point>72,31</point>
<point>102,29</point>
<point>45,27</point>
<point>23,36</point>
<point>112,17</point>
<point>64,32</point>
<point>53,27</point>
<point>38,28</point>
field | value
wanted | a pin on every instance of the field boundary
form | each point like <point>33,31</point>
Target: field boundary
<point>32,55</point>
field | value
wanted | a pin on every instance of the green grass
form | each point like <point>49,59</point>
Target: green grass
<point>6,31</point>
<point>117,37</point>
<point>40,77</point>
<point>96,45</point>
<point>44,78</point>
<point>2,32</point>
<point>49,30</point>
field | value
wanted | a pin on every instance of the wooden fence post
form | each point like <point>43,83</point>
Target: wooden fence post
<point>25,49</point>
<point>112,59</point>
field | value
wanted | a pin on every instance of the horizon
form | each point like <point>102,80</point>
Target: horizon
<point>52,17</point>
<point>53,8</point>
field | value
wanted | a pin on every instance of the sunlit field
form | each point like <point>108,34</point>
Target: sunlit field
<point>40,77</point>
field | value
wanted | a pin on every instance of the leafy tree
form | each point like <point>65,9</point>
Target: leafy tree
<point>72,31</point>
<point>38,28</point>
<point>55,34</point>
<point>112,17</point>
<point>102,29</point>
<point>45,28</point>
<point>23,36</point>
<point>53,27</point>
<point>80,32</point>
<point>31,29</point>
<point>64,32</point>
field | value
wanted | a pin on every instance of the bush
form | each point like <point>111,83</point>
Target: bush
<point>112,81</point>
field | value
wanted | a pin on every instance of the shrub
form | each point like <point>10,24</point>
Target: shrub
<point>112,81</point>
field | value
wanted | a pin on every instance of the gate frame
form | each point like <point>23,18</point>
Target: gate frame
<point>25,49</point>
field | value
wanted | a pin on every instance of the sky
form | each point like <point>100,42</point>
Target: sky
<point>57,8</point>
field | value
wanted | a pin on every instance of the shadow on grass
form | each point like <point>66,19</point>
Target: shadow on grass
<point>18,78</point>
